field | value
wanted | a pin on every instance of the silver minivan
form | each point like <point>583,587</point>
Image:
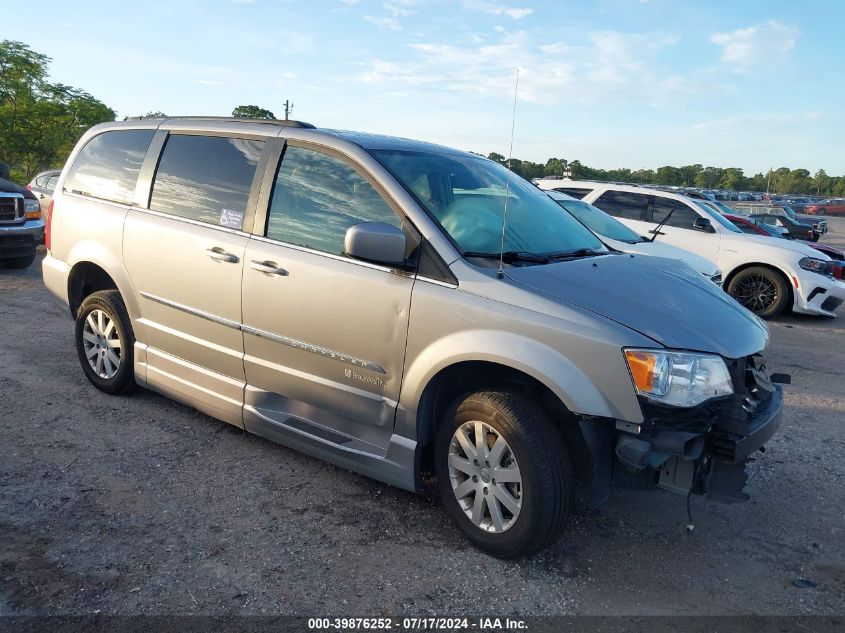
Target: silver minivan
<point>398,308</point>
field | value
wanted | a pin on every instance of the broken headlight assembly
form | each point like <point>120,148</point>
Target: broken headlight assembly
<point>678,379</point>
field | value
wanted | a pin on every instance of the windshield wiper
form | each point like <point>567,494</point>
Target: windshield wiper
<point>511,256</point>
<point>663,222</point>
<point>578,253</point>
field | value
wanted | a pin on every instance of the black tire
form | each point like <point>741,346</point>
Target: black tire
<point>111,304</point>
<point>740,288</point>
<point>547,482</point>
<point>19,262</point>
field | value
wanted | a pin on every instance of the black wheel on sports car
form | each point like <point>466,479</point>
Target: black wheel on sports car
<point>760,289</point>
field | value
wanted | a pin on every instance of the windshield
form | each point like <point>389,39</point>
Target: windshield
<point>598,221</point>
<point>730,226</point>
<point>790,212</point>
<point>466,195</point>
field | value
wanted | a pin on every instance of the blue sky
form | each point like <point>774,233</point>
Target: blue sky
<point>613,83</point>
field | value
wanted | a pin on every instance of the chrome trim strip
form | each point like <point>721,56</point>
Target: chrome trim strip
<point>277,338</point>
<point>340,258</point>
<point>314,349</point>
<point>179,218</point>
<point>436,282</point>
<point>198,313</point>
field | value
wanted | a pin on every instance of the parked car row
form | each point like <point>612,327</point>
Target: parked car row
<point>766,276</point>
<point>396,308</point>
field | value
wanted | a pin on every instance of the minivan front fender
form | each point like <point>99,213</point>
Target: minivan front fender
<point>543,363</point>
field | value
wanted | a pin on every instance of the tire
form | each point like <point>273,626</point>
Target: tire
<point>742,288</point>
<point>533,447</point>
<point>820,211</point>
<point>19,262</point>
<point>92,322</point>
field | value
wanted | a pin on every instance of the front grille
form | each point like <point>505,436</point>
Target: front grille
<point>831,303</point>
<point>11,210</point>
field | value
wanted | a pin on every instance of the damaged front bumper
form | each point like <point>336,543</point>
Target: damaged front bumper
<point>701,450</point>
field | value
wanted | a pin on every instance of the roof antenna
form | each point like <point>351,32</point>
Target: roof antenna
<point>501,272</point>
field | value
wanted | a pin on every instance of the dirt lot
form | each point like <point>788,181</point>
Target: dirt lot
<point>138,505</point>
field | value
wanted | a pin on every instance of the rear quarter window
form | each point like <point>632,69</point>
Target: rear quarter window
<point>109,164</point>
<point>206,178</point>
<point>622,204</point>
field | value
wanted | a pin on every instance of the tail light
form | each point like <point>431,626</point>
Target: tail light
<point>49,225</point>
<point>839,270</point>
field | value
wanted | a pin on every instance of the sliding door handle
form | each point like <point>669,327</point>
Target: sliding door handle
<point>271,268</point>
<point>220,255</point>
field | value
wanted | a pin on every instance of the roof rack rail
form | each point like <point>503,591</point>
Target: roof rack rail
<point>283,122</point>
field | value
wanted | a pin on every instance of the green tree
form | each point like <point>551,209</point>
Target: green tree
<point>252,112</point>
<point>40,122</point>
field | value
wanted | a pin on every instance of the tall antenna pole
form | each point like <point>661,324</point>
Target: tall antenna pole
<point>501,272</point>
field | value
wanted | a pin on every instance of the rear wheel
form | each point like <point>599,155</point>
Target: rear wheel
<point>104,342</point>
<point>761,290</point>
<point>19,262</point>
<point>504,473</point>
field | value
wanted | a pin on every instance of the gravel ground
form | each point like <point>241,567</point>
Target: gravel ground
<point>138,505</point>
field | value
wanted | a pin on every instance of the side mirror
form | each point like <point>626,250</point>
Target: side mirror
<point>376,242</point>
<point>703,224</point>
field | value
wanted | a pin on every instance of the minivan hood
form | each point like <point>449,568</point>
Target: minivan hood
<point>661,249</point>
<point>670,304</point>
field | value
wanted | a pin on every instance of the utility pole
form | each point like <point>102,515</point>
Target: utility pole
<point>288,109</point>
<point>768,182</point>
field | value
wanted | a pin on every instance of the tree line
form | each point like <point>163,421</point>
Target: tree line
<point>782,180</point>
<point>41,121</point>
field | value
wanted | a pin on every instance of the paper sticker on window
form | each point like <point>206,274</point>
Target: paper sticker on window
<point>232,219</point>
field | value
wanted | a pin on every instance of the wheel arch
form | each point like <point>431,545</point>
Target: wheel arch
<point>463,376</point>
<point>93,268</point>
<point>784,274</point>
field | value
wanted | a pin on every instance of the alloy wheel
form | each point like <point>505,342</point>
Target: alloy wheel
<point>102,344</point>
<point>756,292</point>
<point>485,477</point>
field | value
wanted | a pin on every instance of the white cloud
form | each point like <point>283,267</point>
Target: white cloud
<point>385,22</point>
<point>764,119</point>
<point>496,8</point>
<point>758,45</point>
<point>609,64</point>
<point>208,82</point>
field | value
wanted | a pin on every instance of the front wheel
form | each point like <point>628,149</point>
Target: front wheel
<point>504,473</point>
<point>761,290</point>
<point>104,342</point>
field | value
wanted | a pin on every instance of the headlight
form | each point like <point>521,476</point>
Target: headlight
<point>32,209</point>
<point>678,379</point>
<point>815,265</point>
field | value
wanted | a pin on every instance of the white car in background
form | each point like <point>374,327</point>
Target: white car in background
<point>618,236</point>
<point>766,276</point>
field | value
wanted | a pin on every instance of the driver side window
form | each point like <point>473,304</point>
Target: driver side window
<point>317,197</point>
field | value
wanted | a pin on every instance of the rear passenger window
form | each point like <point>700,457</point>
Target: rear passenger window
<point>206,178</point>
<point>682,216</point>
<point>575,192</point>
<point>317,197</point>
<point>622,204</point>
<point>109,164</point>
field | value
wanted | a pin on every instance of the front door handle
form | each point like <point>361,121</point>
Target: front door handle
<point>220,255</point>
<point>271,268</point>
